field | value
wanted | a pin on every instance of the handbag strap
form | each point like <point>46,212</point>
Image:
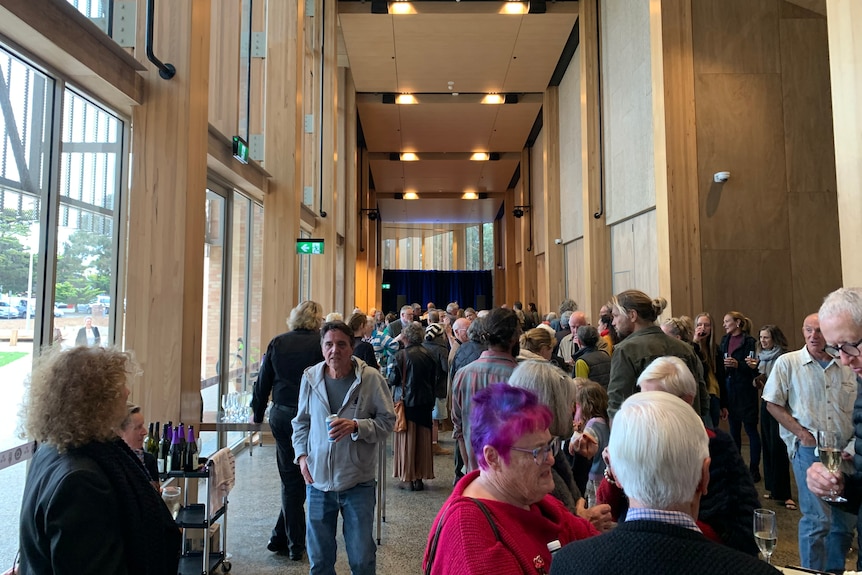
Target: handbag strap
<point>432,551</point>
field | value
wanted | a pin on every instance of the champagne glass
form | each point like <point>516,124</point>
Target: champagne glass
<point>765,533</point>
<point>829,445</point>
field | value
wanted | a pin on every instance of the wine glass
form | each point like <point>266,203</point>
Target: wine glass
<point>765,533</point>
<point>829,445</point>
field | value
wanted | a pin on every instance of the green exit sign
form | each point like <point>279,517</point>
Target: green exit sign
<point>386,286</point>
<point>240,149</point>
<point>305,247</point>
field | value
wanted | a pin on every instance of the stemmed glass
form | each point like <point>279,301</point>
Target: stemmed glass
<point>765,532</point>
<point>829,445</point>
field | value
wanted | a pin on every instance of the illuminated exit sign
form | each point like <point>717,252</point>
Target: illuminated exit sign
<point>306,247</point>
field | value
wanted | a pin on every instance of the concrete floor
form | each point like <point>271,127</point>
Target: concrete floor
<point>254,505</point>
<point>255,501</point>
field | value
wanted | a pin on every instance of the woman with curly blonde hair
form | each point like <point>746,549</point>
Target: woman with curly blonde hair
<point>88,507</point>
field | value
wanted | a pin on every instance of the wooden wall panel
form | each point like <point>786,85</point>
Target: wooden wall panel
<point>675,145</point>
<point>807,99</point>
<point>224,66</point>
<point>282,119</point>
<point>753,281</point>
<point>813,275</point>
<point>576,276</point>
<point>736,36</point>
<point>635,255</point>
<point>549,227</point>
<point>741,129</point>
<point>845,53</point>
<point>164,299</point>
<point>598,283</point>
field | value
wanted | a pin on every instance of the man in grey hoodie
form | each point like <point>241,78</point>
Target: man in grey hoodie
<point>338,456</point>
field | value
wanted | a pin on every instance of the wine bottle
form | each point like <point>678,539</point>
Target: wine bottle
<point>183,439</point>
<point>191,463</point>
<point>149,441</point>
<point>164,449</point>
<point>176,455</point>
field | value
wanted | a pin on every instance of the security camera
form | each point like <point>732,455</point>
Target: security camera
<point>518,213</point>
<point>558,241</point>
<point>721,177</point>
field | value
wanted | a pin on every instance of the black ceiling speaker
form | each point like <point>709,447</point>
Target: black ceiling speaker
<point>381,7</point>
<point>538,7</point>
<point>373,215</point>
<point>518,213</point>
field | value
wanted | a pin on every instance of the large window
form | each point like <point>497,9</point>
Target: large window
<point>231,346</point>
<point>432,247</point>
<point>62,162</point>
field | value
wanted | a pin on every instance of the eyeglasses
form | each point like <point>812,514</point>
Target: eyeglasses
<point>851,349</point>
<point>540,454</point>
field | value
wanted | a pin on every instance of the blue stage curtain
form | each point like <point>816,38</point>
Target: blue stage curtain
<point>468,288</point>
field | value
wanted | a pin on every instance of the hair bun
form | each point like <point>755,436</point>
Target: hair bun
<point>658,304</point>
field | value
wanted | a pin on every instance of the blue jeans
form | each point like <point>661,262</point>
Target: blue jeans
<point>825,532</point>
<point>357,509</point>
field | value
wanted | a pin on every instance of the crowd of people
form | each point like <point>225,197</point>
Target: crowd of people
<point>573,441</point>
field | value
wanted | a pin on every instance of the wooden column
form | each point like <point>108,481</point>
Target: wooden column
<point>844,19</point>
<point>550,228</point>
<point>282,147</point>
<point>597,237</point>
<point>167,201</point>
<point>675,144</point>
<point>325,272</point>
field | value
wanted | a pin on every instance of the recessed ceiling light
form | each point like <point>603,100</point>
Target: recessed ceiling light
<point>514,7</point>
<point>411,196</point>
<point>470,196</point>
<point>480,156</point>
<point>406,99</point>
<point>409,157</point>
<point>493,99</point>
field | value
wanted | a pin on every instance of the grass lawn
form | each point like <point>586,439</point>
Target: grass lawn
<point>10,356</point>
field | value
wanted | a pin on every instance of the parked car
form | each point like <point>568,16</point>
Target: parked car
<point>58,311</point>
<point>82,308</point>
<point>8,311</point>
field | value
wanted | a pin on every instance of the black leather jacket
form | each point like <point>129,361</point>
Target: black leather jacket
<point>415,371</point>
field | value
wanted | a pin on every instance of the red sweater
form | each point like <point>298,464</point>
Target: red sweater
<point>467,543</point>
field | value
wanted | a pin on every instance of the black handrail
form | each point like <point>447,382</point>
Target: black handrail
<point>166,71</point>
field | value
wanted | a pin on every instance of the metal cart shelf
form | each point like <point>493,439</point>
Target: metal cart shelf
<point>201,516</point>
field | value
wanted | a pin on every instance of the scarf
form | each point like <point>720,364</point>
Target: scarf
<point>151,538</point>
<point>767,356</point>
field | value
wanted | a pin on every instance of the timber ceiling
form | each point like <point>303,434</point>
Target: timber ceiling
<point>448,54</point>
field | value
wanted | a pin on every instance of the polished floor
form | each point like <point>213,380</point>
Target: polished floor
<point>254,506</point>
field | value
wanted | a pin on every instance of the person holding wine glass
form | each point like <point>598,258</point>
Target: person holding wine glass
<point>807,391</point>
<point>659,453</point>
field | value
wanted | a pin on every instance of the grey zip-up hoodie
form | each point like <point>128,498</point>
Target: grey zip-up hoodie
<point>344,464</point>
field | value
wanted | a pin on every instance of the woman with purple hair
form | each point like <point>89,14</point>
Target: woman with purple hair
<point>502,515</point>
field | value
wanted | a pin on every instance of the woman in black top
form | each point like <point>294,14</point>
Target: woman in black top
<point>742,395</point>
<point>362,326</point>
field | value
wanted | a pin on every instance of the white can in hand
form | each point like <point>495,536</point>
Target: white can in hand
<point>329,420</point>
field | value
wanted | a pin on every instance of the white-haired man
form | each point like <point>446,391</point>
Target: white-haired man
<point>658,453</point>
<point>841,324</point>
<point>727,508</point>
<point>808,391</point>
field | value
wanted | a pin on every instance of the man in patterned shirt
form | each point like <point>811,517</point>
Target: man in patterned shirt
<point>502,332</point>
